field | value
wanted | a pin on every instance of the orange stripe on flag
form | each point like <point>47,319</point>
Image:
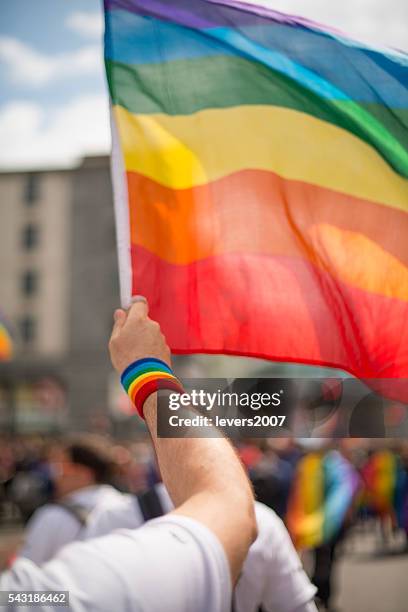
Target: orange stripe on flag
<point>259,212</point>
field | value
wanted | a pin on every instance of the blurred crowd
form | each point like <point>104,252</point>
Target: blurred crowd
<point>26,471</point>
<point>325,492</point>
<point>321,489</point>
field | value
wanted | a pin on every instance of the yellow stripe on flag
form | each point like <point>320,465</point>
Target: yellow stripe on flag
<point>183,151</point>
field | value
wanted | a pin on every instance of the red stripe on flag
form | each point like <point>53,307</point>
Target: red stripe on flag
<point>278,308</point>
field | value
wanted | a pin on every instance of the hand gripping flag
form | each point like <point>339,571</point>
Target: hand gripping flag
<point>260,173</point>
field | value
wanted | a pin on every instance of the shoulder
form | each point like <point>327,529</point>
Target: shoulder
<point>49,516</point>
<point>124,514</point>
<point>173,558</point>
<point>185,546</point>
<point>186,534</point>
<point>273,549</point>
<point>271,529</point>
<point>49,528</point>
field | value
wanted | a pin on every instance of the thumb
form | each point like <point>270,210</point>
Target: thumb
<point>119,318</point>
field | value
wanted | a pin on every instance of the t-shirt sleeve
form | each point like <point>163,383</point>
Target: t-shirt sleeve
<point>172,563</point>
<point>273,577</point>
<point>290,589</point>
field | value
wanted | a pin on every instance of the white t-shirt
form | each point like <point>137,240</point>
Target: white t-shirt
<point>272,575</point>
<point>125,515</point>
<point>172,563</point>
<point>51,527</point>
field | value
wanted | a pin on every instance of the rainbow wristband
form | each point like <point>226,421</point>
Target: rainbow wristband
<point>146,376</point>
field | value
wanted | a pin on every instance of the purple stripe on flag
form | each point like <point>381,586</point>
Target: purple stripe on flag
<point>203,14</point>
<point>269,14</point>
<point>198,15</point>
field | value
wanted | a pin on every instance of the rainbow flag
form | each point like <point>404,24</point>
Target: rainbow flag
<point>260,174</point>
<point>322,493</point>
<point>385,487</point>
<point>6,343</point>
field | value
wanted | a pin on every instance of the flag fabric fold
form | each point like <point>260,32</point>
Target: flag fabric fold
<point>261,183</point>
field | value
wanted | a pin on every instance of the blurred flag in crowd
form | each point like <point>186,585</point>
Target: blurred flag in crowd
<point>6,343</point>
<point>322,493</point>
<point>386,486</point>
<point>260,171</point>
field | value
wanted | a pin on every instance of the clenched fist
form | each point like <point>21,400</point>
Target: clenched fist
<point>135,336</point>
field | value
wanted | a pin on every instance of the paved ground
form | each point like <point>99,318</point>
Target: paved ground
<point>366,582</point>
<point>371,573</point>
<point>372,585</point>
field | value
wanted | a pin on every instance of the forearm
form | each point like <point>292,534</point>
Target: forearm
<point>207,482</point>
<point>203,475</point>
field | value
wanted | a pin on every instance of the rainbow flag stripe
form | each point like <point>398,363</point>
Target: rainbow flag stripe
<point>6,343</point>
<point>260,167</point>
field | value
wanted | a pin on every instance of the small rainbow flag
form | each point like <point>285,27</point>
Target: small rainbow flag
<point>322,493</point>
<point>6,343</point>
<point>385,487</point>
<point>260,172</point>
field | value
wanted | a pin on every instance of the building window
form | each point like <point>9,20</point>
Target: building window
<point>28,329</point>
<point>29,284</point>
<point>30,236</point>
<point>32,188</point>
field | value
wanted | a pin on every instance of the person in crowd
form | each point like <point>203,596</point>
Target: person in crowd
<point>272,578</point>
<point>81,472</point>
<point>186,560</point>
<point>321,497</point>
<point>272,476</point>
<point>30,485</point>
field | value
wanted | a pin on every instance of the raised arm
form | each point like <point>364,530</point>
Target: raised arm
<point>203,475</point>
<point>176,562</point>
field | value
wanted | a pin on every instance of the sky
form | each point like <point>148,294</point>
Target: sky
<point>53,97</point>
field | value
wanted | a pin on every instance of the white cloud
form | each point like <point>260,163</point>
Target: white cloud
<point>33,137</point>
<point>89,25</point>
<point>28,66</point>
<point>380,22</point>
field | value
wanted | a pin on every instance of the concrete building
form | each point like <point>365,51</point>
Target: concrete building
<point>59,286</point>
